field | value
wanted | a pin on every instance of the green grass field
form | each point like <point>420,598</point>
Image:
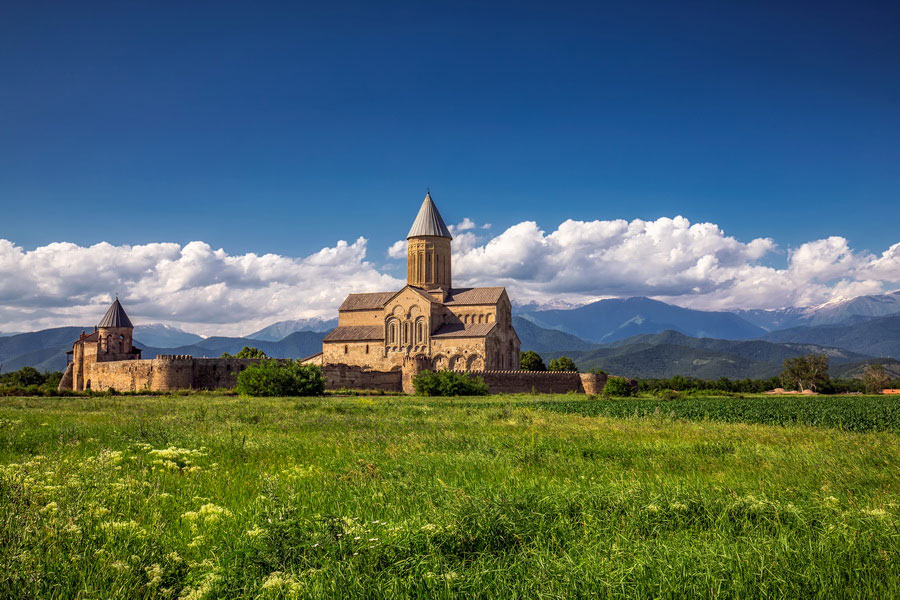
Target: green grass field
<point>497,497</point>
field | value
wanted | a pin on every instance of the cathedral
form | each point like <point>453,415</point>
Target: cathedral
<point>442,327</point>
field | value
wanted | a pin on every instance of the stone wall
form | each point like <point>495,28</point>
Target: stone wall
<point>541,382</point>
<point>354,377</point>
<point>166,373</point>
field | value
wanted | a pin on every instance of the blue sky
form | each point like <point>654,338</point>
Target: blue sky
<point>283,127</point>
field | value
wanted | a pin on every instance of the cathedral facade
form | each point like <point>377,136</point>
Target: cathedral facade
<point>441,327</point>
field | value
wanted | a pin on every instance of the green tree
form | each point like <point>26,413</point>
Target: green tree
<point>271,377</point>
<point>532,361</point>
<point>805,372</point>
<point>246,352</point>
<point>876,378</point>
<point>24,377</point>
<point>563,363</point>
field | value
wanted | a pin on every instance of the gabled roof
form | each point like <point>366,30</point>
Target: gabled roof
<point>429,221</point>
<point>458,330</point>
<point>115,316</point>
<point>355,333</point>
<point>366,301</point>
<point>482,295</point>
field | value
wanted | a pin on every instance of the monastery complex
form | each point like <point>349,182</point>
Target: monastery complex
<point>383,339</point>
<point>462,329</point>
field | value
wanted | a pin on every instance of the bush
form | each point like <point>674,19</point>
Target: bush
<point>281,378</point>
<point>618,386</point>
<point>449,383</point>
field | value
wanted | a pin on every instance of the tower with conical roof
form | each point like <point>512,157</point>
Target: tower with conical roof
<point>428,258</point>
<point>115,333</point>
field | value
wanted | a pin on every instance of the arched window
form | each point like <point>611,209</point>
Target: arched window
<point>346,349</point>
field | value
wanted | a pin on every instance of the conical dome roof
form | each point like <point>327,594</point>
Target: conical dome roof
<point>115,316</point>
<point>429,221</point>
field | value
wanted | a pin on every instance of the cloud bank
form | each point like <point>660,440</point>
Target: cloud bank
<point>212,292</point>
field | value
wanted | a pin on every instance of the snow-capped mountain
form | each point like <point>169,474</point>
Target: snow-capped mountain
<point>841,310</point>
<point>163,336</point>
<point>282,329</point>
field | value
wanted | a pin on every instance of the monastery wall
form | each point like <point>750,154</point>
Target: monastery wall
<point>354,377</point>
<point>166,373</point>
<point>541,382</point>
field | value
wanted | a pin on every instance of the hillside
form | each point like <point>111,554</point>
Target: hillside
<point>606,321</point>
<point>672,353</point>
<point>876,337</point>
<point>541,340</point>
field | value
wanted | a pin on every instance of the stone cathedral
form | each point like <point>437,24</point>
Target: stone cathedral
<point>442,327</point>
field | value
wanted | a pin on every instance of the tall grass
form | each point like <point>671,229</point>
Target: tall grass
<point>216,497</point>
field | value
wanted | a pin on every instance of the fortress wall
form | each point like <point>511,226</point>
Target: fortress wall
<point>354,377</point>
<point>541,382</point>
<point>122,375</point>
<point>166,373</point>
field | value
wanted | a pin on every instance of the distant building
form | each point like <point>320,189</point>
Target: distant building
<point>442,327</point>
<point>106,358</point>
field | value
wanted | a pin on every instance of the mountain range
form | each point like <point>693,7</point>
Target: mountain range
<point>636,337</point>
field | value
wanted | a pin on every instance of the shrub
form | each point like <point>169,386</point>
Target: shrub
<point>281,378</point>
<point>618,386</point>
<point>449,383</point>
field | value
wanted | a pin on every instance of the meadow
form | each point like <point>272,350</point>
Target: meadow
<point>490,497</point>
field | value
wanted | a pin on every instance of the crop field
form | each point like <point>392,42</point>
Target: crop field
<point>494,497</point>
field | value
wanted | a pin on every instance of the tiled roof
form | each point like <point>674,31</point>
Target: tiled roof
<point>483,295</point>
<point>429,221</point>
<point>452,330</point>
<point>366,301</point>
<point>115,316</point>
<point>355,333</point>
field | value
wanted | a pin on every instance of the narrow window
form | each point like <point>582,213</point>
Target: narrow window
<point>367,348</point>
<point>346,349</point>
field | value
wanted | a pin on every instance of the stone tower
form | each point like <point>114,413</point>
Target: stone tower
<point>115,333</point>
<point>428,261</point>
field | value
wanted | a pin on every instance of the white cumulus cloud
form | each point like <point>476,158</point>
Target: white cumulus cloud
<point>210,291</point>
<point>194,286</point>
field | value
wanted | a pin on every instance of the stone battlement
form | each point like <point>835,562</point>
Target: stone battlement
<point>174,357</point>
<point>530,373</point>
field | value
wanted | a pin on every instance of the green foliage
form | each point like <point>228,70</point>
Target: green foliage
<point>28,381</point>
<point>246,352</point>
<point>204,496</point>
<point>618,386</point>
<point>281,378</point>
<point>563,363</point>
<point>851,413</point>
<point>449,383</point>
<point>532,361</point>
<point>805,372</point>
<point>23,377</point>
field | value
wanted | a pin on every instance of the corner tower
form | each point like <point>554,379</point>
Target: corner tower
<point>428,261</point>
